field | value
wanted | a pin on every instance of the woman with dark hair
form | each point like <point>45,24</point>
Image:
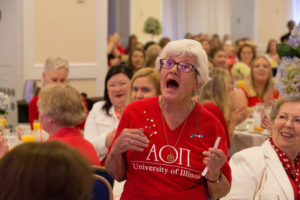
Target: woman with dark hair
<point>219,57</point>
<point>45,171</point>
<point>241,70</point>
<point>132,41</point>
<point>136,59</point>
<point>104,117</point>
<point>272,55</point>
<point>246,54</point>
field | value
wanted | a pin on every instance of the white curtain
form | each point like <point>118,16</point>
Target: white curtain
<point>196,16</point>
<point>173,19</point>
<point>296,10</point>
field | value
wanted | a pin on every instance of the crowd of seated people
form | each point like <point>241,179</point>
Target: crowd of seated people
<point>145,71</point>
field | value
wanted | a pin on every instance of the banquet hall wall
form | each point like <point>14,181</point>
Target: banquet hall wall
<point>77,29</point>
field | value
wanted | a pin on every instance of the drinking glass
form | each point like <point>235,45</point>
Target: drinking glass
<point>38,131</point>
<point>23,129</point>
<point>24,132</point>
<point>12,141</point>
<point>258,111</point>
<point>240,83</point>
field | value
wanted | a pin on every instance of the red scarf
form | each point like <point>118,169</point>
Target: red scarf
<point>292,170</point>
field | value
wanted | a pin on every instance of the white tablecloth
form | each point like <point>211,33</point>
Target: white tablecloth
<point>244,139</point>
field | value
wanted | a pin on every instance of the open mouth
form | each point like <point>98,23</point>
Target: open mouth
<point>287,135</point>
<point>172,84</point>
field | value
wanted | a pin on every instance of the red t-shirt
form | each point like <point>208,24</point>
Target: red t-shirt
<point>33,111</point>
<point>73,137</point>
<point>216,111</point>
<point>149,174</point>
<point>254,100</point>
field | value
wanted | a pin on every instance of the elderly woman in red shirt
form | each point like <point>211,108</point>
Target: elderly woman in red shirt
<point>61,108</point>
<point>164,143</point>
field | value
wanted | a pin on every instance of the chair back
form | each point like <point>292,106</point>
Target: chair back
<point>102,189</point>
<point>101,171</point>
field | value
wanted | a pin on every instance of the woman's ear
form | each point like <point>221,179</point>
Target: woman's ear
<point>197,87</point>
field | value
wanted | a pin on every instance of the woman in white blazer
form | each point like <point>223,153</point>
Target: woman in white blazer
<point>104,117</point>
<point>272,169</point>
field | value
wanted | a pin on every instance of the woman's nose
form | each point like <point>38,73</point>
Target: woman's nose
<point>175,68</point>
<point>289,123</point>
<point>139,95</point>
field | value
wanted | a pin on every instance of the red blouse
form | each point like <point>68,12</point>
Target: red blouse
<point>254,100</point>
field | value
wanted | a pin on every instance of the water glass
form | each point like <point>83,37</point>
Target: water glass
<point>24,133</point>
<point>12,141</point>
<point>23,129</point>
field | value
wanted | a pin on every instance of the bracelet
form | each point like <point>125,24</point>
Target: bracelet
<point>215,181</point>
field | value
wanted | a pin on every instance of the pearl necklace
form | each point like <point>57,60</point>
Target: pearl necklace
<point>170,156</point>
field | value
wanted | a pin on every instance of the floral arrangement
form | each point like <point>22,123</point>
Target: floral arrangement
<point>287,79</point>
<point>152,26</point>
<point>4,103</point>
<point>240,71</point>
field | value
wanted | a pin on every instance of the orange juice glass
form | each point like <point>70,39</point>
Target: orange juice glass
<point>36,125</point>
<point>3,121</point>
<point>258,129</point>
<point>28,138</point>
<point>240,83</point>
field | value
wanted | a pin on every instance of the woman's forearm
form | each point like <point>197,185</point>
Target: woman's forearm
<point>116,166</point>
<point>218,189</point>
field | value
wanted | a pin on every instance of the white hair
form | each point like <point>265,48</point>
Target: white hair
<point>56,62</point>
<point>187,48</point>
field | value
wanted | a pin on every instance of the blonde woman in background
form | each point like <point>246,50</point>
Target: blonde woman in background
<point>144,84</point>
<point>259,88</point>
<point>151,54</point>
<point>215,97</point>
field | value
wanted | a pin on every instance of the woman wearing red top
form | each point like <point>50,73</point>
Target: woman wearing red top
<point>61,108</point>
<point>163,144</point>
<point>259,88</point>
<point>215,97</point>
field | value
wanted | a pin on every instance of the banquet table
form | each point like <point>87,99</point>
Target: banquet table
<point>245,138</point>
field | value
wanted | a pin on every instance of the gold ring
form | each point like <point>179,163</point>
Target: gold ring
<point>217,159</point>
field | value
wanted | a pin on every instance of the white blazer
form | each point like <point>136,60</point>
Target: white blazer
<point>257,172</point>
<point>98,124</point>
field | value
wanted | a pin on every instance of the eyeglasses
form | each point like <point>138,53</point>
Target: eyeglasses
<point>182,67</point>
<point>285,117</point>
